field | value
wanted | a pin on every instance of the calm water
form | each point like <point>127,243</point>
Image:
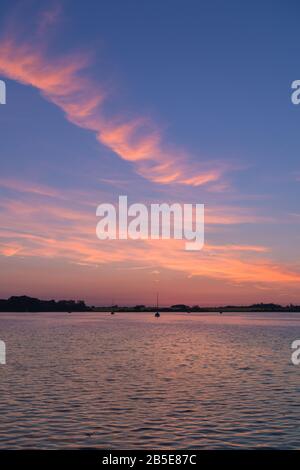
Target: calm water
<point>132,381</point>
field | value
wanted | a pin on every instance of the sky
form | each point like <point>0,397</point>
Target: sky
<point>162,101</point>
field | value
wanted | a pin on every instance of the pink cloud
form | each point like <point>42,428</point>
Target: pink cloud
<point>64,82</point>
<point>37,229</point>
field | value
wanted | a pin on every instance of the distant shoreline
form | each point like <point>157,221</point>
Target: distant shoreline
<point>33,305</point>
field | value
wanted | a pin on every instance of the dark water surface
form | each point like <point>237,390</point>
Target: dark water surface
<point>133,381</point>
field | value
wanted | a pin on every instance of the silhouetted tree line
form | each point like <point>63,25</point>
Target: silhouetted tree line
<point>30,304</point>
<point>261,307</point>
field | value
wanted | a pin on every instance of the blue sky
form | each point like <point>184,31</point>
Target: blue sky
<point>212,79</point>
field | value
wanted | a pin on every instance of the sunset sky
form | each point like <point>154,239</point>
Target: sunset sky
<point>163,101</point>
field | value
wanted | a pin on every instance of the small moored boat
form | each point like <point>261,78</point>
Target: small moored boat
<point>157,314</point>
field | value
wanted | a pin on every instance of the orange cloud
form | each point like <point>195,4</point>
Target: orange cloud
<point>225,265</point>
<point>140,141</point>
<point>38,228</point>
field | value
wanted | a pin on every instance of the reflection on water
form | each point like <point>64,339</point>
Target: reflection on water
<point>133,381</point>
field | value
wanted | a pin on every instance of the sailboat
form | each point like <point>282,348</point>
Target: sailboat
<point>157,314</point>
<point>112,312</point>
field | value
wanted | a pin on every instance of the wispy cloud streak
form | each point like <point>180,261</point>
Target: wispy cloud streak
<point>40,228</point>
<point>64,81</point>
